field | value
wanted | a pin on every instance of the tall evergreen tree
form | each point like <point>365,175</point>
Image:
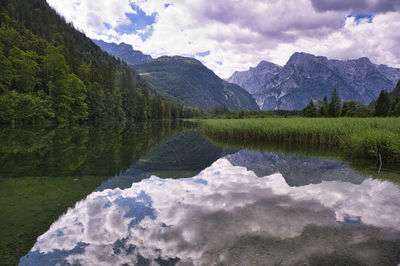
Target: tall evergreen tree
<point>79,109</point>
<point>323,107</point>
<point>334,104</point>
<point>57,76</point>
<point>382,104</point>
<point>95,101</point>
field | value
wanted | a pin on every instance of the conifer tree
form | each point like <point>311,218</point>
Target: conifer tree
<point>323,107</point>
<point>310,110</point>
<point>334,104</point>
<point>382,104</point>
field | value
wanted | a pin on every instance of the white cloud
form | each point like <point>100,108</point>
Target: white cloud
<point>378,41</point>
<point>241,33</point>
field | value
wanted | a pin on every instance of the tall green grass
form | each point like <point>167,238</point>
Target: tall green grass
<point>357,137</point>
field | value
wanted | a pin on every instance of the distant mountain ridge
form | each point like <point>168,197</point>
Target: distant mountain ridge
<point>124,51</point>
<point>308,77</point>
<point>183,80</point>
<point>187,80</point>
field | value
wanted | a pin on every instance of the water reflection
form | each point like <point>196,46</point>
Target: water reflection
<point>44,171</point>
<point>227,214</point>
<point>78,150</point>
<point>297,170</point>
<point>181,155</point>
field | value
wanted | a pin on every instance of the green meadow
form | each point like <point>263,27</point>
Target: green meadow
<point>356,137</point>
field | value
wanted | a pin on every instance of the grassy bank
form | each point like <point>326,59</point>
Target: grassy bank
<point>357,137</point>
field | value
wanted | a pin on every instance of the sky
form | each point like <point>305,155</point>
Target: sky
<point>232,35</point>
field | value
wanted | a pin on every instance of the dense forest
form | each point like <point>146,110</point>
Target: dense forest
<point>49,71</point>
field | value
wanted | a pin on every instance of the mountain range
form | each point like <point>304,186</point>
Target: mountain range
<point>183,80</point>
<point>308,77</point>
<point>303,78</point>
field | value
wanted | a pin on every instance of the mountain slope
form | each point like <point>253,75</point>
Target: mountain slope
<point>124,51</point>
<point>307,77</point>
<point>186,80</point>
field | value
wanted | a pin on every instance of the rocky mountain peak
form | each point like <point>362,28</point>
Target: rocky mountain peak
<point>252,79</point>
<point>266,65</point>
<point>299,58</point>
<point>363,60</point>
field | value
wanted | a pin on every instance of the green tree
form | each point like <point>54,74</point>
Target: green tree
<point>355,109</point>
<point>334,104</point>
<point>349,108</point>
<point>8,107</point>
<point>25,70</point>
<point>5,71</point>
<point>95,101</point>
<point>323,107</point>
<point>395,110</point>
<point>382,104</point>
<point>310,110</point>
<point>156,107</point>
<point>25,108</point>
<point>67,91</point>
<point>57,83</point>
<point>77,90</point>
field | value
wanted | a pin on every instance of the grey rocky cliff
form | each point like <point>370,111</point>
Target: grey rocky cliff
<point>255,77</point>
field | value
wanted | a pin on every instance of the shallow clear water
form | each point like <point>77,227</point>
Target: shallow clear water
<point>186,201</point>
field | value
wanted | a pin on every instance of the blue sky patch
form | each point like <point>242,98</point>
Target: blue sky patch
<point>107,25</point>
<point>219,63</point>
<point>141,23</point>
<point>201,181</point>
<point>203,54</point>
<point>349,220</point>
<point>167,5</point>
<point>359,17</point>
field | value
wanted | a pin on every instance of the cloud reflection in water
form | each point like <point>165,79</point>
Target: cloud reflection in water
<point>200,220</point>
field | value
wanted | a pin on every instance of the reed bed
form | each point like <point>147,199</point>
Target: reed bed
<point>357,137</point>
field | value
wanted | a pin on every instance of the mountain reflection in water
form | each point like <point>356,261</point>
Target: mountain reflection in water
<point>246,208</point>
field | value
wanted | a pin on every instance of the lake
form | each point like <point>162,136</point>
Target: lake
<point>163,194</point>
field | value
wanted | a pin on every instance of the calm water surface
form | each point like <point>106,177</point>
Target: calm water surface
<point>164,195</point>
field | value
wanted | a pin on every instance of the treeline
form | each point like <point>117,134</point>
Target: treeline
<point>387,104</point>
<point>223,112</point>
<point>51,72</point>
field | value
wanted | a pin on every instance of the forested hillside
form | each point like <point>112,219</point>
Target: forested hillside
<point>186,80</point>
<point>49,71</point>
